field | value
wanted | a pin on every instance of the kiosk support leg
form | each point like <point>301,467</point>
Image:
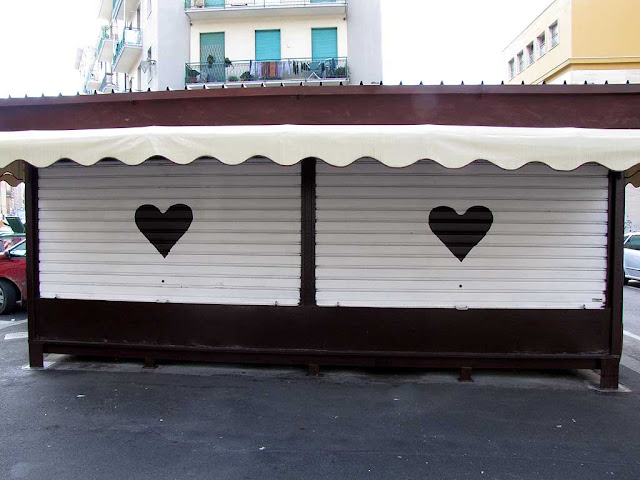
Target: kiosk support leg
<point>609,374</point>
<point>150,362</point>
<point>465,374</point>
<point>36,355</point>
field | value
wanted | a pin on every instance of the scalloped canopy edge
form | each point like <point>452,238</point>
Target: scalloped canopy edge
<point>338,145</point>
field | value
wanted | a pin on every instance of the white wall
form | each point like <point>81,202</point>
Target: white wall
<point>243,246</point>
<point>150,39</point>
<point>547,247</point>
<point>632,208</point>
<point>599,76</point>
<point>295,35</point>
<point>365,41</point>
<point>165,28</point>
<point>173,44</point>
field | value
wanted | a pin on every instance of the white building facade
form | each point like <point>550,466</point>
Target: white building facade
<point>159,44</point>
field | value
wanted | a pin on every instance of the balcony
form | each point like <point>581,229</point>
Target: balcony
<point>104,50</point>
<point>252,72</point>
<point>106,9</point>
<point>128,50</point>
<point>92,80</point>
<point>119,13</point>
<point>109,82</point>
<point>215,9</point>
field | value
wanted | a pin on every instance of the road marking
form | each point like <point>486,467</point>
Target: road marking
<point>15,335</point>
<point>631,335</point>
<point>11,324</point>
<point>630,363</point>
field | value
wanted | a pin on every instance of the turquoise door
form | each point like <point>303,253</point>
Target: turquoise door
<point>214,3</point>
<point>212,68</point>
<point>268,45</point>
<point>324,43</point>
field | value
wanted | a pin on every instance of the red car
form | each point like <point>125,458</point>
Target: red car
<point>13,277</point>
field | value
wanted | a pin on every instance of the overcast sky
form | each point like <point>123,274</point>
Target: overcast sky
<point>428,40</point>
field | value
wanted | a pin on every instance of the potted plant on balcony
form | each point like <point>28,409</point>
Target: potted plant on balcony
<point>192,75</point>
<point>340,72</point>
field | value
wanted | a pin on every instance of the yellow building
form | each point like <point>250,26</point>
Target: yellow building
<point>577,41</point>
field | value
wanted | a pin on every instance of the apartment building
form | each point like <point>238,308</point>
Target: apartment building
<point>155,44</point>
<point>141,46</point>
<point>578,41</point>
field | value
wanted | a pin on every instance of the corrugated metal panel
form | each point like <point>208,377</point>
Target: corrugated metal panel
<point>243,246</point>
<point>546,248</point>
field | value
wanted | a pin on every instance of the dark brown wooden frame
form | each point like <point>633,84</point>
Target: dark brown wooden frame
<point>335,336</point>
<point>585,106</point>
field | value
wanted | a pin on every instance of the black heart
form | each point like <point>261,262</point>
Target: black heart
<point>163,230</point>
<point>460,233</point>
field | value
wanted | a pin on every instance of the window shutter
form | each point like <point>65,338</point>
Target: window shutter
<point>324,43</point>
<point>268,45</point>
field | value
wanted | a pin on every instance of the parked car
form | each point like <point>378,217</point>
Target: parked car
<point>9,239</point>
<point>12,231</point>
<point>13,277</point>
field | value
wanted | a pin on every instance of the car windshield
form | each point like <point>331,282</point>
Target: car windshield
<point>19,250</point>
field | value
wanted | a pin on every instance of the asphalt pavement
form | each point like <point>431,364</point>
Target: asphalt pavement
<point>97,419</point>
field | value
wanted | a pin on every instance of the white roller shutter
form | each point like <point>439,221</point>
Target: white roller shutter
<point>243,246</point>
<point>546,248</point>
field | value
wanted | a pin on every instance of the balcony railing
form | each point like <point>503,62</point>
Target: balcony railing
<point>290,69</point>
<point>104,35</point>
<point>116,8</point>
<point>239,4</point>
<point>130,37</point>
<point>92,80</point>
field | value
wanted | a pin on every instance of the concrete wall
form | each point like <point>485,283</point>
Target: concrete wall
<point>172,50</point>
<point>632,209</point>
<point>578,74</point>
<point>295,35</point>
<point>149,39</point>
<point>608,28</point>
<point>365,40</point>
<point>559,11</point>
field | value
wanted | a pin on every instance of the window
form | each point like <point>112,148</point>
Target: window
<point>212,55</point>
<point>512,68</point>
<point>633,243</point>
<point>530,53</point>
<point>554,34</point>
<point>324,44</point>
<point>19,250</point>
<point>268,45</point>
<point>542,44</point>
<point>521,62</point>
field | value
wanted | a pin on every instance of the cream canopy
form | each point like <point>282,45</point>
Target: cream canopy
<point>338,145</point>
